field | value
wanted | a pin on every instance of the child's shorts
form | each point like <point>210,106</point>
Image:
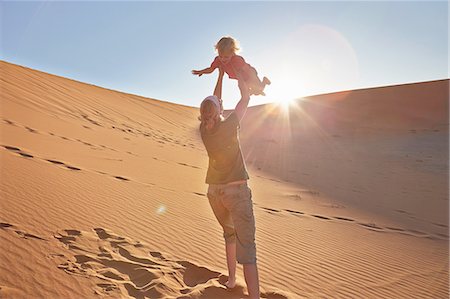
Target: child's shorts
<point>233,207</point>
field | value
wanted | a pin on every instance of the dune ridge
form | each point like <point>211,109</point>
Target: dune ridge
<point>103,194</point>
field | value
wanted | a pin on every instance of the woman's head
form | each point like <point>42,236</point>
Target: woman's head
<point>210,112</point>
<point>227,47</point>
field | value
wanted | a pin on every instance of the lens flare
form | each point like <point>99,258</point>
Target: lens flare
<point>312,59</point>
<point>161,209</point>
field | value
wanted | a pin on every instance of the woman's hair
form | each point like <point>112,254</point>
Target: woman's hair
<point>227,43</point>
<point>209,116</point>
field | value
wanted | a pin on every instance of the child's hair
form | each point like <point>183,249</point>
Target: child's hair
<point>227,43</point>
<point>208,112</point>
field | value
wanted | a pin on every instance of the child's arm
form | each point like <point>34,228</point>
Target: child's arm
<point>208,70</point>
<point>215,64</point>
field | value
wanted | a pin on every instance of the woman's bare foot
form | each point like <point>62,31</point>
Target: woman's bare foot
<point>231,283</point>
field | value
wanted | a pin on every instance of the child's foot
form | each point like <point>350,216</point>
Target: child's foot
<point>266,81</point>
<point>257,92</point>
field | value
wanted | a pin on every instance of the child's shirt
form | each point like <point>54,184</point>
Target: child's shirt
<point>236,64</point>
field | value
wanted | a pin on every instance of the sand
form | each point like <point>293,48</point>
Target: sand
<point>103,194</point>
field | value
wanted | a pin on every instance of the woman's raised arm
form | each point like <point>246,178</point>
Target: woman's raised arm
<point>218,88</point>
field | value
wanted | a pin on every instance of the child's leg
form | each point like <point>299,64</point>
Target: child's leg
<point>256,86</point>
<point>266,81</point>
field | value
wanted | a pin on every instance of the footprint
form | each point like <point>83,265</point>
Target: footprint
<point>4,225</point>
<point>294,212</point>
<point>108,287</point>
<point>321,217</point>
<point>371,225</point>
<point>110,274</point>
<point>138,244</point>
<point>17,150</point>
<point>157,254</point>
<point>395,229</point>
<point>91,121</point>
<point>121,178</point>
<point>184,164</point>
<point>439,224</point>
<point>62,163</point>
<point>102,234</point>
<point>55,162</point>
<point>309,192</point>
<point>12,148</point>
<point>31,130</point>
<point>416,232</point>
<point>270,210</point>
<point>343,218</point>
<point>73,232</point>
<point>27,235</point>
<point>442,236</point>
<point>72,167</point>
<point>65,239</point>
<point>9,122</point>
<point>195,275</point>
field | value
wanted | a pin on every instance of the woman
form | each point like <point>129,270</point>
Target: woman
<point>229,196</point>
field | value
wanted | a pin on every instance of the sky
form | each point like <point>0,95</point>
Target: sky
<point>305,48</point>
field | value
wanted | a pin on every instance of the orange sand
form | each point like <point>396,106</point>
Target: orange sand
<point>103,194</point>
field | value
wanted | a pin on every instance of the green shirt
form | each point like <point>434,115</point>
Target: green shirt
<point>226,164</point>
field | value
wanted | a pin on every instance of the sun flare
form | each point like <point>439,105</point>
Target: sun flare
<point>285,102</point>
<point>285,91</point>
<point>285,96</point>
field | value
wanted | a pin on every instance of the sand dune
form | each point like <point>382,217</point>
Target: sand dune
<point>103,194</point>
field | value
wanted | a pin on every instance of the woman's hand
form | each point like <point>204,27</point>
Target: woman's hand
<point>221,72</point>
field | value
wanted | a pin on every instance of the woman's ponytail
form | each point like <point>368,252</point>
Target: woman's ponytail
<point>209,116</point>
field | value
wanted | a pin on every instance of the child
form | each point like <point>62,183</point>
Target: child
<point>235,66</point>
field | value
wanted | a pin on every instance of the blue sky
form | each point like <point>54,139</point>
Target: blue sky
<point>305,48</point>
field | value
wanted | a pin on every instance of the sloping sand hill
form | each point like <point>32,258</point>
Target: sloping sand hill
<point>103,194</point>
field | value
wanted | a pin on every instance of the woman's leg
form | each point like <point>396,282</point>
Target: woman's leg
<point>244,224</point>
<point>231,263</point>
<point>251,279</point>
<point>223,216</point>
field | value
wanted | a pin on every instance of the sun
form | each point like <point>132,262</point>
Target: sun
<point>285,102</point>
<point>284,92</point>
